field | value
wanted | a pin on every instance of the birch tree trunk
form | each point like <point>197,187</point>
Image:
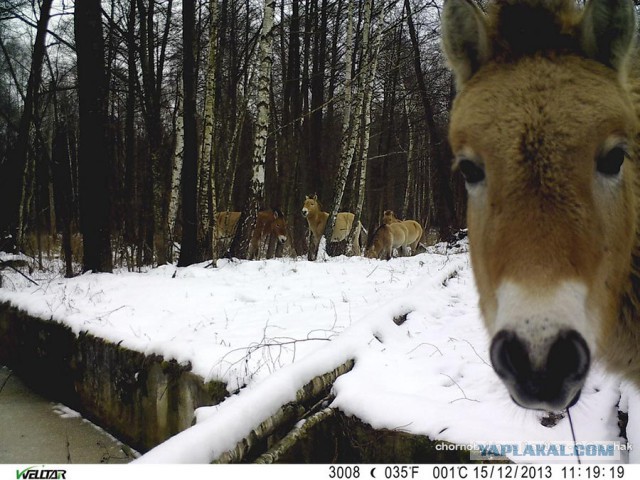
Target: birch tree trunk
<point>207,194</point>
<point>176,170</point>
<point>189,246</point>
<point>132,180</point>
<point>367,97</point>
<point>410,190</point>
<point>350,125</point>
<point>246,224</point>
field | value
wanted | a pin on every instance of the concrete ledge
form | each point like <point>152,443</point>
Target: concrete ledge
<point>142,400</point>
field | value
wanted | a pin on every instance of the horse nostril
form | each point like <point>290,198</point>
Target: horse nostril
<point>569,357</point>
<point>548,375</point>
<point>509,356</point>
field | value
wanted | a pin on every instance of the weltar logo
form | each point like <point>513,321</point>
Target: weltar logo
<point>40,473</point>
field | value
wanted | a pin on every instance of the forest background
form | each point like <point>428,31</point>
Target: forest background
<point>125,125</point>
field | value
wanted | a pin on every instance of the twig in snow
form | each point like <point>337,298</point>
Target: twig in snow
<point>474,351</point>
<point>464,394</point>
<point>429,344</point>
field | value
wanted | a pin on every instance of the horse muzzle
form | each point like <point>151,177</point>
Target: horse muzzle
<point>305,212</point>
<point>282,239</point>
<point>550,378</point>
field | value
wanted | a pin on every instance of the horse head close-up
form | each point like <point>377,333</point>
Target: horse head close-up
<point>544,131</point>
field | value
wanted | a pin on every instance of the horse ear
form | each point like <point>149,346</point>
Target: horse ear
<point>275,213</point>
<point>464,38</point>
<point>608,30</point>
<point>315,196</point>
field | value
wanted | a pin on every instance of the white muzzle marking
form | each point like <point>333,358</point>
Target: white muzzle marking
<point>537,317</point>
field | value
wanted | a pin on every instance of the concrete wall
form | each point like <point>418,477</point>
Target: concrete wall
<point>142,400</point>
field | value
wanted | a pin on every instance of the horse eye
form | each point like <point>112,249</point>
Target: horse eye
<point>609,163</point>
<point>471,171</point>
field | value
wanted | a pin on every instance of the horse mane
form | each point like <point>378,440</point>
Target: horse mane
<point>547,27</point>
<point>277,211</point>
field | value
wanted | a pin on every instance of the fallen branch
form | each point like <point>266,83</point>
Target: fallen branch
<point>4,264</point>
<point>285,418</point>
<point>290,440</point>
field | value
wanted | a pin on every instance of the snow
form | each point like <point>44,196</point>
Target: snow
<point>65,412</point>
<point>267,327</point>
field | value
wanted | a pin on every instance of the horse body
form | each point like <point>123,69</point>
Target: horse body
<point>380,244</point>
<point>413,230</point>
<point>317,220</point>
<point>544,131</point>
<point>268,222</point>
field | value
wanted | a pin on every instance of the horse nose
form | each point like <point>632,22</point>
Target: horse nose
<point>304,212</point>
<point>552,382</point>
<point>282,239</point>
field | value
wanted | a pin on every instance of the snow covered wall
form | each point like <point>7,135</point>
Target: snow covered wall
<point>266,328</point>
<point>143,400</point>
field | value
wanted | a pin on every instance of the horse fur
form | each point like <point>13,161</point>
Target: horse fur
<point>268,222</point>
<point>412,230</point>
<point>317,221</point>
<point>547,93</point>
<point>380,244</point>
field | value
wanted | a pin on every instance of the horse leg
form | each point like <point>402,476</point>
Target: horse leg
<point>356,240</point>
<point>254,245</point>
<point>414,246</point>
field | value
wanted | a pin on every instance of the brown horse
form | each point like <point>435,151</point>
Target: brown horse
<point>413,230</point>
<point>380,243</point>
<point>385,239</point>
<point>317,220</point>
<point>544,130</point>
<point>268,222</point>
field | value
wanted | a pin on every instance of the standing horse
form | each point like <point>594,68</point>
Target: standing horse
<point>268,222</point>
<point>389,236</point>
<point>380,244</point>
<point>544,130</point>
<point>413,230</point>
<point>317,220</point>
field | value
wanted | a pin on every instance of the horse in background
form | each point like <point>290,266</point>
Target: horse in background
<point>269,223</point>
<point>544,130</point>
<point>317,221</point>
<point>412,231</point>
<point>380,244</point>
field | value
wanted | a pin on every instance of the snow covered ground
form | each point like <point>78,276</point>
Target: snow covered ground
<point>267,327</point>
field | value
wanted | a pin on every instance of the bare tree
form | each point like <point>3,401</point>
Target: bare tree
<point>26,120</point>
<point>93,159</point>
<point>207,189</point>
<point>366,97</point>
<point>246,224</point>
<point>176,169</point>
<point>349,123</point>
<point>442,199</point>
<point>189,247</point>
